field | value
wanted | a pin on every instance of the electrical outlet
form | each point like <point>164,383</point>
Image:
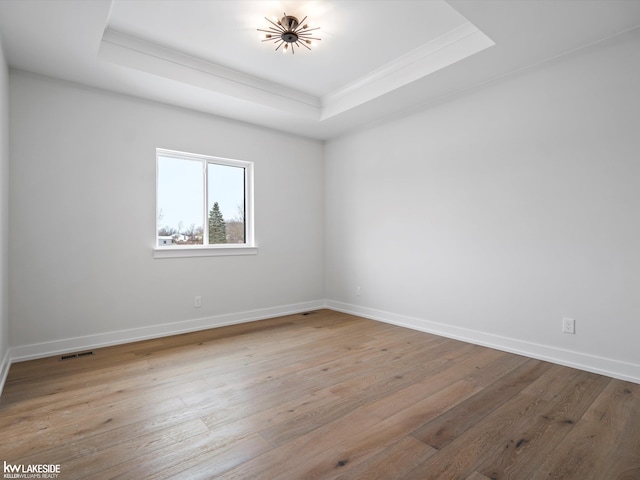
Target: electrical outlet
<point>197,301</point>
<point>568,325</point>
<point>358,291</point>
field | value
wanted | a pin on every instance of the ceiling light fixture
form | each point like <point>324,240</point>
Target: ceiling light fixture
<point>288,31</point>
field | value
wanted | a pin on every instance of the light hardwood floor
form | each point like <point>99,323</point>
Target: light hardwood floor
<point>324,395</point>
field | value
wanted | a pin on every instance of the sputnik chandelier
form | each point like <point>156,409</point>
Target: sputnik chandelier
<point>288,31</point>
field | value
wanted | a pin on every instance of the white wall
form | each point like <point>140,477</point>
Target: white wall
<point>83,221</point>
<point>4,217</point>
<point>492,216</point>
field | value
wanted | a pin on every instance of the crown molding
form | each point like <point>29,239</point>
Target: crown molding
<point>447,49</point>
<point>138,54</point>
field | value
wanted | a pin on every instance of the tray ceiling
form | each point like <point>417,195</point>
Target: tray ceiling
<point>376,59</point>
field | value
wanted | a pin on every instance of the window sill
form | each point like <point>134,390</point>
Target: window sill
<point>202,251</point>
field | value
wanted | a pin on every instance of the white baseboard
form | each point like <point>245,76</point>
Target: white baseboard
<point>57,347</point>
<point>590,363</point>
<point>4,368</point>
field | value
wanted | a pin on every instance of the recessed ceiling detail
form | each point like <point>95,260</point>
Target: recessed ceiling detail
<point>447,41</point>
<point>125,50</point>
<point>455,45</point>
<point>288,31</point>
<point>204,55</point>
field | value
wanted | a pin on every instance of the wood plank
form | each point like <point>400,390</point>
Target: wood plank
<point>605,443</point>
<point>37,434</point>
<point>525,450</point>
<point>456,421</point>
<point>394,461</point>
<point>371,387</point>
<point>131,448</point>
<point>215,449</point>
<point>463,453</point>
<point>449,374</point>
<point>367,443</point>
<point>477,476</point>
<point>282,461</point>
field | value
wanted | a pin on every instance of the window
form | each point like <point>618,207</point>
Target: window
<point>204,205</point>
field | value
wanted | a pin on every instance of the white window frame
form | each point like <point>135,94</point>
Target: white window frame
<point>176,251</point>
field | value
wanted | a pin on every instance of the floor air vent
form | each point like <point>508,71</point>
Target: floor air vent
<point>75,355</point>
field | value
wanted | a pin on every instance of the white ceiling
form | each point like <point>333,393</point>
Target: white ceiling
<point>377,59</point>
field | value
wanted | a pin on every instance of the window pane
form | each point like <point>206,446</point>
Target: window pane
<point>180,202</point>
<point>226,204</point>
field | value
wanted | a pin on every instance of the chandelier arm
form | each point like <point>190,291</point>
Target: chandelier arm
<point>279,45</point>
<point>272,33</point>
<point>271,30</point>
<point>305,45</point>
<point>310,29</point>
<point>277,25</point>
<point>301,23</point>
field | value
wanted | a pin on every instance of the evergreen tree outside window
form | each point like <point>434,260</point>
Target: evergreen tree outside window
<point>203,202</point>
<point>217,227</point>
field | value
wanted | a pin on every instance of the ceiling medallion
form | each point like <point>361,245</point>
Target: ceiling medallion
<point>288,31</point>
